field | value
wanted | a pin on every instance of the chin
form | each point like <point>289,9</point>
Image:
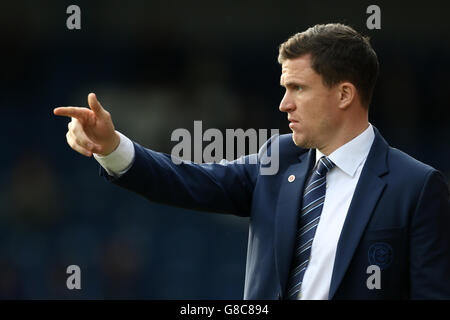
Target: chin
<point>297,141</point>
<point>300,141</point>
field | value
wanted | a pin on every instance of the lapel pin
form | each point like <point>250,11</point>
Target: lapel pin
<point>291,178</point>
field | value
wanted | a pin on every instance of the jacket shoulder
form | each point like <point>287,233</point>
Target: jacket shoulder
<point>409,173</point>
<point>400,161</point>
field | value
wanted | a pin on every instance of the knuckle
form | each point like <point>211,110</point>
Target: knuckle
<point>79,141</point>
<point>79,149</point>
<point>70,142</point>
<point>73,129</point>
<point>75,123</point>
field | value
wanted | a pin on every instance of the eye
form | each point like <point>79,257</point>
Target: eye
<point>298,88</point>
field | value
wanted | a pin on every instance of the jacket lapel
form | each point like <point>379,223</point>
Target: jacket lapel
<point>368,190</point>
<point>288,205</point>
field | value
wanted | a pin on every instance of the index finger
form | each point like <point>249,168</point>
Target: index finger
<point>74,112</point>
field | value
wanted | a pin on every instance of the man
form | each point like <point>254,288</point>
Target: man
<point>345,217</point>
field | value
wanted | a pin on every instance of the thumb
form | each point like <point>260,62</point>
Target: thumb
<point>94,104</point>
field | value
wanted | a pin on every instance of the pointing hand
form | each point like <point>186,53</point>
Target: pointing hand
<point>90,130</point>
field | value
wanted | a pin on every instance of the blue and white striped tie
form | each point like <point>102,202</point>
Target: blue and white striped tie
<point>308,219</point>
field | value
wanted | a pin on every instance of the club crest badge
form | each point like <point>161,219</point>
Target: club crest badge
<point>381,254</point>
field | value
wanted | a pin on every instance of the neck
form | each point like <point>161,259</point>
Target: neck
<point>342,136</point>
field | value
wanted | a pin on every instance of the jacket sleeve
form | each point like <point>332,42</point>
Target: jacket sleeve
<point>225,187</point>
<point>430,241</point>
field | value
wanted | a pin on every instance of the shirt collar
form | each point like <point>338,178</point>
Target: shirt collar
<point>349,156</point>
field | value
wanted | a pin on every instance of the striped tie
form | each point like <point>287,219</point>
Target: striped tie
<point>313,199</point>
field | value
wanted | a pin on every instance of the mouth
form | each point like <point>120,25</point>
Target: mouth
<point>292,123</point>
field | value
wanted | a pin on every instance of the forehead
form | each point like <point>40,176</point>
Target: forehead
<point>298,69</point>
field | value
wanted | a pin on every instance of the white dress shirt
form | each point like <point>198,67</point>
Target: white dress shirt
<point>341,183</point>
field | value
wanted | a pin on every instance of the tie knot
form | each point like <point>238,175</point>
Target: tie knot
<point>324,165</point>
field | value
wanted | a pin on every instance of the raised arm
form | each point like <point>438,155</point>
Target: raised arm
<point>226,187</point>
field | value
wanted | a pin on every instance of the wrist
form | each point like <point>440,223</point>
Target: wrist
<point>112,146</point>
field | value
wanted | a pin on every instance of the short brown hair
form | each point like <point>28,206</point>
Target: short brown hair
<point>338,53</point>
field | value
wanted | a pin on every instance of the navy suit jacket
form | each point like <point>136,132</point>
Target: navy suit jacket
<point>398,219</point>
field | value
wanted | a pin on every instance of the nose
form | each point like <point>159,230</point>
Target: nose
<point>286,104</point>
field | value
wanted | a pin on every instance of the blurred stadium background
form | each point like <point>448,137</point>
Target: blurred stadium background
<point>158,66</point>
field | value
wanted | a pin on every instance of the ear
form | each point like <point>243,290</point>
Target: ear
<point>347,94</point>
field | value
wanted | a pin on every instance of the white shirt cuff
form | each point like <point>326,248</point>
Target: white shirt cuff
<point>120,160</point>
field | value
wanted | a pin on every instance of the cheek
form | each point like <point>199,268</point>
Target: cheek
<point>304,106</point>
<point>308,109</point>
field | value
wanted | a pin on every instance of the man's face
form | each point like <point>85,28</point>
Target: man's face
<point>310,105</point>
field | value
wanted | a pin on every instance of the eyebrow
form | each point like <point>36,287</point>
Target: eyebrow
<point>292,83</point>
